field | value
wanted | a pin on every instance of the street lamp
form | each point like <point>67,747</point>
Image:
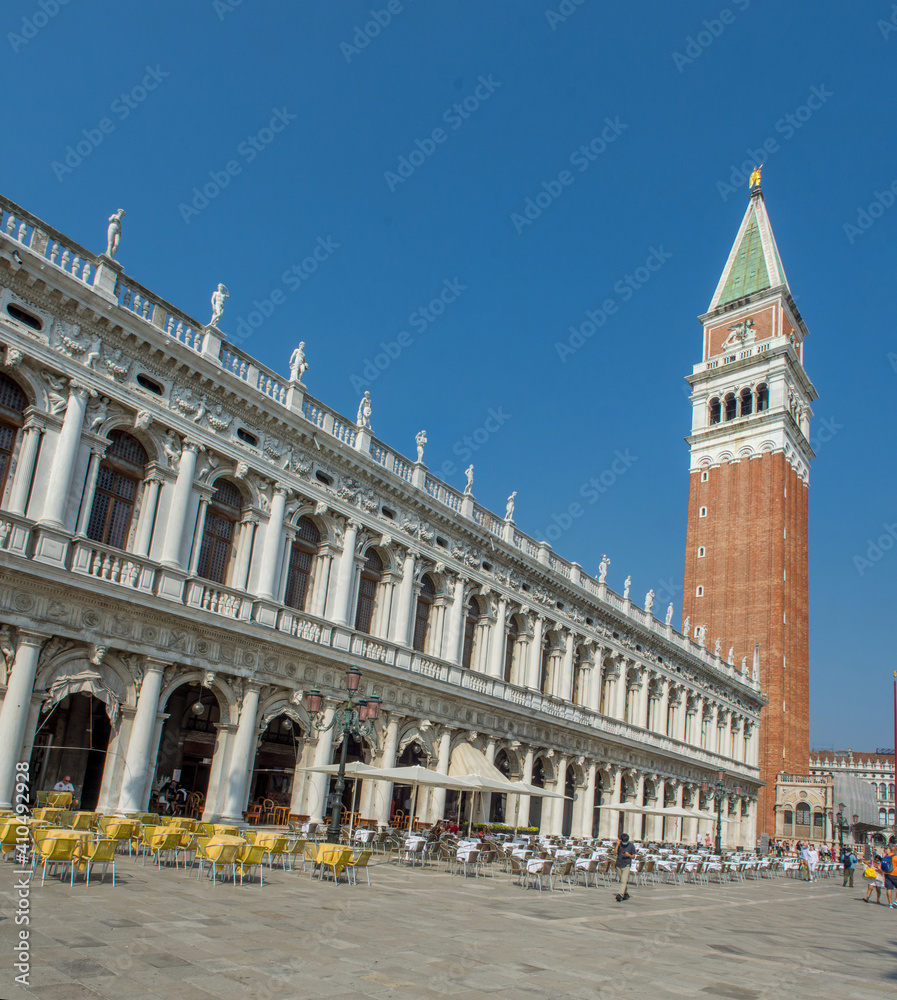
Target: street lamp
<point>842,825</point>
<point>719,796</point>
<point>352,719</point>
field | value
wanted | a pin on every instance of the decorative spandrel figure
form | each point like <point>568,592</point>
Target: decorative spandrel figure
<point>113,233</point>
<point>627,583</point>
<point>649,600</point>
<point>602,568</point>
<point>420,440</point>
<point>364,411</point>
<point>298,364</point>
<point>669,617</point>
<point>468,472</point>
<point>218,298</point>
<point>509,506</point>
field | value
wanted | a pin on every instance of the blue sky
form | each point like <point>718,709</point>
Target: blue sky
<point>407,147</point>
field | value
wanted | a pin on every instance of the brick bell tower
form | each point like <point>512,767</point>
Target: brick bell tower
<point>746,547</point>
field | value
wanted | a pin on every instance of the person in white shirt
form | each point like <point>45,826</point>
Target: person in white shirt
<point>814,863</point>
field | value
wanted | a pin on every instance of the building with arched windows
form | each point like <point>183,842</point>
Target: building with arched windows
<point>189,542</point>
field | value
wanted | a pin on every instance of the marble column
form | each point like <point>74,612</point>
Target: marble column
<point>584,807</point>
<point>270,564</point>
<point>534,661</point>
<point>495,666</point>
<point>610,817</point>
<point>403,612</point>
<point>619,694</point>
<point>180,503</point>
<point>242,756</point>
<point>454,633</point>
<point>196,548</point>
<point>146,519</point>
<point>383,789</point>
<point>345,575</point>
<point>64,458</point>
<point>137,755</point>
<point>437,795</point>
<point>90,489</point>
<point>558,806</point>
<point>21,487</point>
<point>564,685</point>
<point>523,801</point>
<point>14,713</point>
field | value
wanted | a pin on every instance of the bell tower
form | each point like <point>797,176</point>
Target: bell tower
<point>746,545</point>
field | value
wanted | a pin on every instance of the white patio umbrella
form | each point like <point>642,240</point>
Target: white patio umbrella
<point>417,777</point>
<point>355,769</point>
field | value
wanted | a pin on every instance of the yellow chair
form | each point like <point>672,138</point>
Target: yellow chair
<point>56,852</point>
<point>162,841</point>
<point>275,848</point>
<point>297,851</point>
<point>252,857</point>
<point>41,798</point>
<point>217,856</point>
<point>360,860</point>
<point>101,852</point>
<point>204,830</point>
<point>59,799</point>
<point>119,830</point>
<point>9,838</point>
<point>335,857</point>
<point>311,853</point>
<point>82,821</point>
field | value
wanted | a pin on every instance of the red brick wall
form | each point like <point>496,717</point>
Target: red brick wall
<point>754,576</point>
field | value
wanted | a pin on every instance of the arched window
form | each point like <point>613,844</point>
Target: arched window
<point>120,475</point>
<point>371,573</point>
<point>818,824</point>
<point>882,817</point>
<point>747,402</point>
<point>762,397</point>
<point>510,642</point>
<point>802,814</point>
<point>731,406</point>
<point>12,405</point>
<point>882,791</point>
<point>890,791</point>
<point>302,556</point>
<point>788,816</point>
<point>218,533</point>
<point>470,631</point>
<point>422,614</point>
<point>714,410</point>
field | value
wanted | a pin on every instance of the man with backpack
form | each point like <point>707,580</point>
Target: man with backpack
<point>890,875</point>
<point>848,861</point>
<point>624,850</point>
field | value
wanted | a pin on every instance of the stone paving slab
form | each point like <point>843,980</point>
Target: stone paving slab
<point>421,934</point>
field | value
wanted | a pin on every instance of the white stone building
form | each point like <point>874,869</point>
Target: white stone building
<point>876,768</point>
<point>189,543</point>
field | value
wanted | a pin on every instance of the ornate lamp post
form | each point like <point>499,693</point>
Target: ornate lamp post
<point>720,794</point>
<point>842,825</point>
<point>352,719</point>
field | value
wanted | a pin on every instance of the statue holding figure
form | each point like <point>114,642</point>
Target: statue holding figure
<point>113,233</point>
<point>364,411</point>
<point>468,472</point>
<point>509,507</point>
<point>627,583</point>
<point>420,439</point>
<point>602,568</point>
<point>649,600</point>
<point>730,659</point>
<point>298,364</point>
<point>717,646</point>
<point>685,626</point>
<point>218,298</point>
<point>669,617</point>
<point>754,180</point>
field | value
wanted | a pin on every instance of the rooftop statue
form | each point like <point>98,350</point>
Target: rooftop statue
<point>113,233</point>
<point>218,298</point>
<point>298,364</point>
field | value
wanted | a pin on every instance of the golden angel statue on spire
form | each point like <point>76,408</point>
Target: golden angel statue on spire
<point>755,177</point>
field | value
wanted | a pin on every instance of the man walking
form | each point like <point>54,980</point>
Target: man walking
<point>625,852</point>
<point>848,861</point>
<point>888,867</point>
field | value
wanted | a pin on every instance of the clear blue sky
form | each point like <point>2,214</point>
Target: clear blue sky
<point>188,88</point>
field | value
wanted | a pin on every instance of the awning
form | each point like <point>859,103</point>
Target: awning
<point>84,682</point>
<point>468,762</point>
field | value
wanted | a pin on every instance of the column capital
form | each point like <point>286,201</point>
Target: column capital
<point>30,637</point>
<point>152,665</point>
<point>191,445</point>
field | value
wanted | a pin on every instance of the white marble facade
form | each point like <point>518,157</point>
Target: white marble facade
<point>179,524</point>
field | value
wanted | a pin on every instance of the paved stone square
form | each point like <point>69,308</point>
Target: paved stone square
<point>426,935</point>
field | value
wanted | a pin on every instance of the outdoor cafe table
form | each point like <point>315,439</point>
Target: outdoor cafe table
<point>83,838</point>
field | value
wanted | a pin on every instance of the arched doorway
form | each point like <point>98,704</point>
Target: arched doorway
<point>275,762</point>
<point>535,802</point>
<point>498,808</point>
<point>188,743</point>
<point>403,795</point>
<point>72,740</point>
<point>596,811</point>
